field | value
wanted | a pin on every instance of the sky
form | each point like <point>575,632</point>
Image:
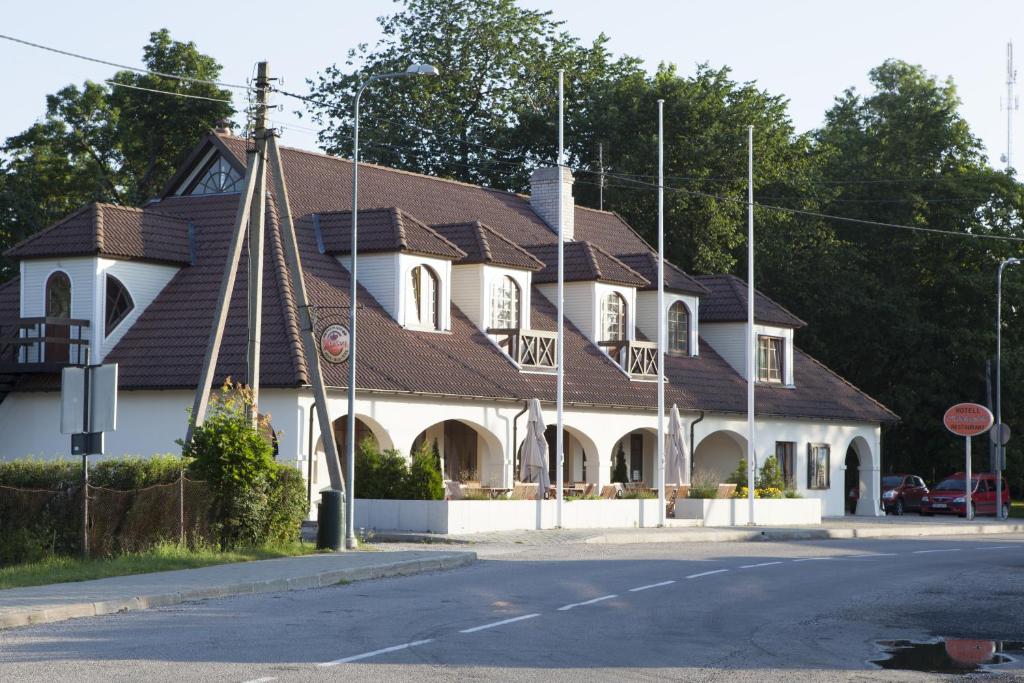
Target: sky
<point>807,50</point>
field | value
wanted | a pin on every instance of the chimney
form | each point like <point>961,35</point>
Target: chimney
<point>544,184</point>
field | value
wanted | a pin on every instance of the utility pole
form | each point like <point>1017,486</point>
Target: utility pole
<point>1012,104</point>
<point>257,223</point>
<point>600,166</point>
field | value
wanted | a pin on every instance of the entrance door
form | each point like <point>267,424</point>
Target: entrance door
<point>58,305</point>
<point>851,482</point>
<point>636,457</point>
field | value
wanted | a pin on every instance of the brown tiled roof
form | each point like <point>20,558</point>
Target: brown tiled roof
<point>484,245</point>
<point>726,301</point>
<point>646,263</point>
<point>383,230</point>
<point>110,230</point>
<point>165,347</point>
<point>584,261</point>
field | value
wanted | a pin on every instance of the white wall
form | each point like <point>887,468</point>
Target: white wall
<point>468,292</point>
<point>729,339</point>
<point>579,304</point>
<point>647,316</point>
<point>379,274</point>
<point>144,282</point>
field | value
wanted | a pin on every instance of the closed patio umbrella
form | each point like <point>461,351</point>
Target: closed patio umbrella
<point>534,465</point>
<point>677,469</point>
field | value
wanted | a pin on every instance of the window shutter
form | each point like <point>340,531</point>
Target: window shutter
<point>810,466</point>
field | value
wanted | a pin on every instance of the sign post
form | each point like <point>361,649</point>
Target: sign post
<point>967,420</point>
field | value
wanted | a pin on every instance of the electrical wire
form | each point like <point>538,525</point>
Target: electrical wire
<point>167,92</point>
<point>121,66</point>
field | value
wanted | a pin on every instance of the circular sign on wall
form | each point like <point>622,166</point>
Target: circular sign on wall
<point>334,343</point>
<point>968,419</point>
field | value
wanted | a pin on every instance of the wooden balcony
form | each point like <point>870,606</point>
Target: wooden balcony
<point>531,349</point>
<point>636,358</point>
<point>43,345</point>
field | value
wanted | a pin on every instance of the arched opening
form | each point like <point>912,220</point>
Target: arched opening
<point>58,305</point>
<point>424,305</point>
<point>506,304</point>
<point>580,463</point>
<point>468,452</point>
<point>637,451</point>
<point>851,480</point>
<point>718,454</point>
<point>860,476</point>
<point>365,429</point>
<point>678,328</point>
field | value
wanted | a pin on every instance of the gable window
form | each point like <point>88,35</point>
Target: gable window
<point>58,295</point>
<point>505,304</point>
<point>785,455</point>
<point>219,178</point>
<point>818,466</point>
<point>769,359</point>
<point>424,287</point>
<point>678,328</point>
<point>119,304</point>
<point>613,317</point>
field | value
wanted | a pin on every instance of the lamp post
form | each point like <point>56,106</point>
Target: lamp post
<point>350,441</point>
<point>1000,448</point>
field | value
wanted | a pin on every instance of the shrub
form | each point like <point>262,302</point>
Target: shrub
<point>771,475</point>
<point>703,484</point>
<point>634,495</point>
<point>620,475</point>
<point>380,474</point>
<point>236,460</point>
<point>287,505</point>
<point>739,475</point>
<point>424,480</point>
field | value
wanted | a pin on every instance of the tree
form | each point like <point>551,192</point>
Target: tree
<point>108,143</point>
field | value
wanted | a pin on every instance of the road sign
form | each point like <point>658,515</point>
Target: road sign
<point>968,419</point>
<point>102,403</point>
<point>1000,434</point>
<point>334,343</point>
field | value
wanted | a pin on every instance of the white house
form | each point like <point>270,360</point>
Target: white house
<point>456,328</point>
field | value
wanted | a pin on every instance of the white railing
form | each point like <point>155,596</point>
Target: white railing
<point>528,348</point>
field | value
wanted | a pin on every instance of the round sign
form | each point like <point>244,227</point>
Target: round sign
<point>968,419</point>
<point>1000,434</point>
<point>334,344</point>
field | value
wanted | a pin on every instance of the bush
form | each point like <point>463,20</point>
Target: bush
<point>386,475</point>
<point>739,475</point>
<point>424,480</point>
<point>620,475</point>
<point>237,462</point>
<point>703,484</point>
<point>288,506</point>
<point>634,495</point>
<point>771,475</point>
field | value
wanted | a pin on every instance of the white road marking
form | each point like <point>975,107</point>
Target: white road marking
<point>811,559</point>
<point>652,585</point>
<point>382,651</point>
<point>565,608</point>
<point>499,623</point>
<point>941,550</point>
<point>873,555</point>
<point>697,576</point>
<point>761,564</point>
<point>999,547</point>
<point>265,679</point>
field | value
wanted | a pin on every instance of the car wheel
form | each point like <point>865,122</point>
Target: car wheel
<point>926,514</point>
<point>1005,512</point>
<point>899,507</point>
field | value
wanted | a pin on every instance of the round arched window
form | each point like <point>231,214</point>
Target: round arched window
<point>613,317</point>
<point>424,308</point>
<point>505,304</point>
<point>678,328</point>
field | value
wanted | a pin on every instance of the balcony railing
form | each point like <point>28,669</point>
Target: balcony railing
<point>43,344</point>
<point>636,358</point>
<point>533,349</point>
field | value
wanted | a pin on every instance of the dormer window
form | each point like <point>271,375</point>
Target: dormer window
<point>770,353</point>
<point>425,310</point>
<point>119,304</point>
<point>219,178</point>
<point>678,328</point>
<point>613,317</point>
<point>505,304</point>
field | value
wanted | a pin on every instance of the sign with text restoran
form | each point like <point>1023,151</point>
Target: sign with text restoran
<point>968,419</point>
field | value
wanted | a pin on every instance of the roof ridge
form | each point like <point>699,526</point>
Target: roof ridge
<point>588,249</point>
<point>98,210</point>
<point>495,233</point>
<point>485,245</point>
<point>397,215</point>
<point>612,257</point>
<point>287,294</point>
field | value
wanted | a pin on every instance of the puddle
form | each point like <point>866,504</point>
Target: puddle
<point>948,656</point>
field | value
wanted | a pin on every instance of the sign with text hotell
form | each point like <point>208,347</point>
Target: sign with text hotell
<point>968,419</point>
<point>334,343</point>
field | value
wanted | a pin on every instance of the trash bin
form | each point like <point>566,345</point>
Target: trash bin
<point>329,520</point>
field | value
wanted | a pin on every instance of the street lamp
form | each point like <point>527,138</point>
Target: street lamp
<point>1000,448</point>
<point>350,445</point>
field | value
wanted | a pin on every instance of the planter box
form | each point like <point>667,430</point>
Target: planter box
<point>474,516</point>
<point>735,511</point>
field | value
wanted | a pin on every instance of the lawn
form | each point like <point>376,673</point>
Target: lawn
<point>161,558</point>
<point>1017,508</point>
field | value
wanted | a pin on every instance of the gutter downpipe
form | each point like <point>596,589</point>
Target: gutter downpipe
<point>692,425</point>
<point>515,436</point>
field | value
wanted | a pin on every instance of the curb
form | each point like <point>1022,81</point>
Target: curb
<point>14,617</point>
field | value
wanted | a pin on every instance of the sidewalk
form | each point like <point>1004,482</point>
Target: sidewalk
<point>58,602</point>
<point>830,528</point>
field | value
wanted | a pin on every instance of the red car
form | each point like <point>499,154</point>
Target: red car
<point>901,492</point>
<point>948,496</point>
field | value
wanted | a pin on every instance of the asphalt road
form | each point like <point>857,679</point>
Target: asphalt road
<point>745,611</point>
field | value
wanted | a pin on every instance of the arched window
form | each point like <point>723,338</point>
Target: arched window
<point>119,304</point>
<point>505,304</point>
<point>58,295</point>
<point>613,317</point>
<point>425,287</point>
<point>219,178</point>
<point>678,328</point>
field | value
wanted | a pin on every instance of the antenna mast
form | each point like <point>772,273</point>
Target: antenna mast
<point>1012,104</point>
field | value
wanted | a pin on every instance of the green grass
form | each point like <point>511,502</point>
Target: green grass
<point>1017,509</point>
<point>160,558</point>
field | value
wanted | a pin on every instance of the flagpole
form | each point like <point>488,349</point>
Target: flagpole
<point>751,340</point>
<point>559,349</point>
<point>661,314</point>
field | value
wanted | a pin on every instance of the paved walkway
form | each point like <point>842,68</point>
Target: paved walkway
<point>57,602</point>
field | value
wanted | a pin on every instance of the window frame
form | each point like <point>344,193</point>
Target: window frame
<point>504,290</point>
<point>813,467</point>
<point>217,165</point>
<point>51,280</point>
<point>622,323</point>
<point>427,314</point>
<point>674,323</point>
<point>764,374</point>
<point>110,325</point>
<point>785,452</point>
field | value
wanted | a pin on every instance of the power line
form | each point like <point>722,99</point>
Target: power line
<point>122,66</point>
<point>167,92</point>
